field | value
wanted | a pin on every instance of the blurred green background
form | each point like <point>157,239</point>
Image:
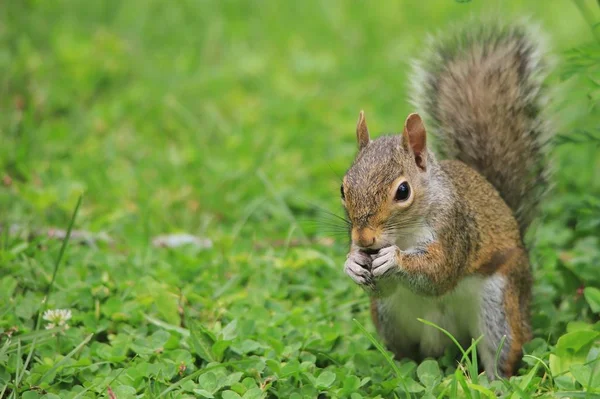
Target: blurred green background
<point>234,121</point>
<point>185,115</point>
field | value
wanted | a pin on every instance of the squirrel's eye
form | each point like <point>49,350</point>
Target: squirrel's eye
<point>403,192</point>
<point>342,192</point>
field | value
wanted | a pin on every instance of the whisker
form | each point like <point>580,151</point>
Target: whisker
<point>329,213</point>
<point>333,223</point>
<point>405,223</point>
<point>327,228</point>
<point>337,217</point>
<point>338,177</point>
<point>335,234</point>
<point>403,227</point>
<point>324,222</point>
<point>341,233</point>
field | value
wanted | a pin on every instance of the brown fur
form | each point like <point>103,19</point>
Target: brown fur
<point>374,314</point>
<point>480,89</point>
<point>476,234</point>
<point>481,93</point>
<point>517,299</point>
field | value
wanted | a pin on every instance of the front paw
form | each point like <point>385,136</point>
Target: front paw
<point>385,262</point>
<point>357,267</point>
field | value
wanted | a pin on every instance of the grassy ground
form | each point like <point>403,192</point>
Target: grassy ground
<point>232,121</point>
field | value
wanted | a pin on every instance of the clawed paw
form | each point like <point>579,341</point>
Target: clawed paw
<point>385,261</point>
<point>358,266</point>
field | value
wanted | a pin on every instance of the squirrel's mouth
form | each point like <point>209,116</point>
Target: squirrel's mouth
<point>370,251</point>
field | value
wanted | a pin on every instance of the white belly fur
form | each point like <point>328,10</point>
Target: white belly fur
<point>457,312</point>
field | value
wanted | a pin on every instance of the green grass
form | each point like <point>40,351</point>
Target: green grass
<point>233,121</point>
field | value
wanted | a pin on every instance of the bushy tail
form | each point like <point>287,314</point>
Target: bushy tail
<point>480,91</point>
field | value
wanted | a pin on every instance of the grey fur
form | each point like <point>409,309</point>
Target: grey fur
<point>480,90</point>
<point>494,325</point>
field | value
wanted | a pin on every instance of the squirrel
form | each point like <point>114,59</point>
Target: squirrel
<point>442,240</point>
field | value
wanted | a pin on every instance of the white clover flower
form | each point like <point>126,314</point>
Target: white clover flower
<point>57,318</point>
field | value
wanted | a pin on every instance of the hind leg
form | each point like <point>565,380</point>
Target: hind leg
<point>504,317</point>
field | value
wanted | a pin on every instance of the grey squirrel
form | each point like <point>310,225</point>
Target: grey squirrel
<point>442,240</point>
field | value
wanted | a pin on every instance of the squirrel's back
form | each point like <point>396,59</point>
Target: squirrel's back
<point>480,89</point>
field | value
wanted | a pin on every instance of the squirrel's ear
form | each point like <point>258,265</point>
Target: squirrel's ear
<point>414,138</point>
<point>362,133</point>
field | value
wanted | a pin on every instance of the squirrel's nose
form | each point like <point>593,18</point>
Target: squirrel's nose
<point>364,238</point>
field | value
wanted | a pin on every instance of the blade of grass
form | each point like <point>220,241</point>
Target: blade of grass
<point>34,335</point>
<point>5,346</point>
<point>380,348</point>
<point>583,364</point>
<point>93,386</point>
<point>36,331</point>
<point>28,346</point>
<point>454,389</point>
<point>63,247</point>
<point>474,366</point>
<point>479,389</point>
<point>58,261</point>
<point>250,209</point>
<point>108,384</point>
<point>463,383</point>
<point>17,369</point>
<point>473,349</point>
<point>199,372</point>
<point>540,361</point>
<point>591,379</point>
<point>441,395</point>
<point>548,372</point>
<point>19,377</point>
<point>524,385</point>
<point>509,385</point>
<point>202,342</point>
<point>462,350</point>
<point>383,351</point>
<point>67,357</point>
<point>445,333</point>
<point>5,311</point>
<point>271,189</point>
<point>571,394</point>
<point>19,357</point>
<point>497,357</point>
<point>169,327</point>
